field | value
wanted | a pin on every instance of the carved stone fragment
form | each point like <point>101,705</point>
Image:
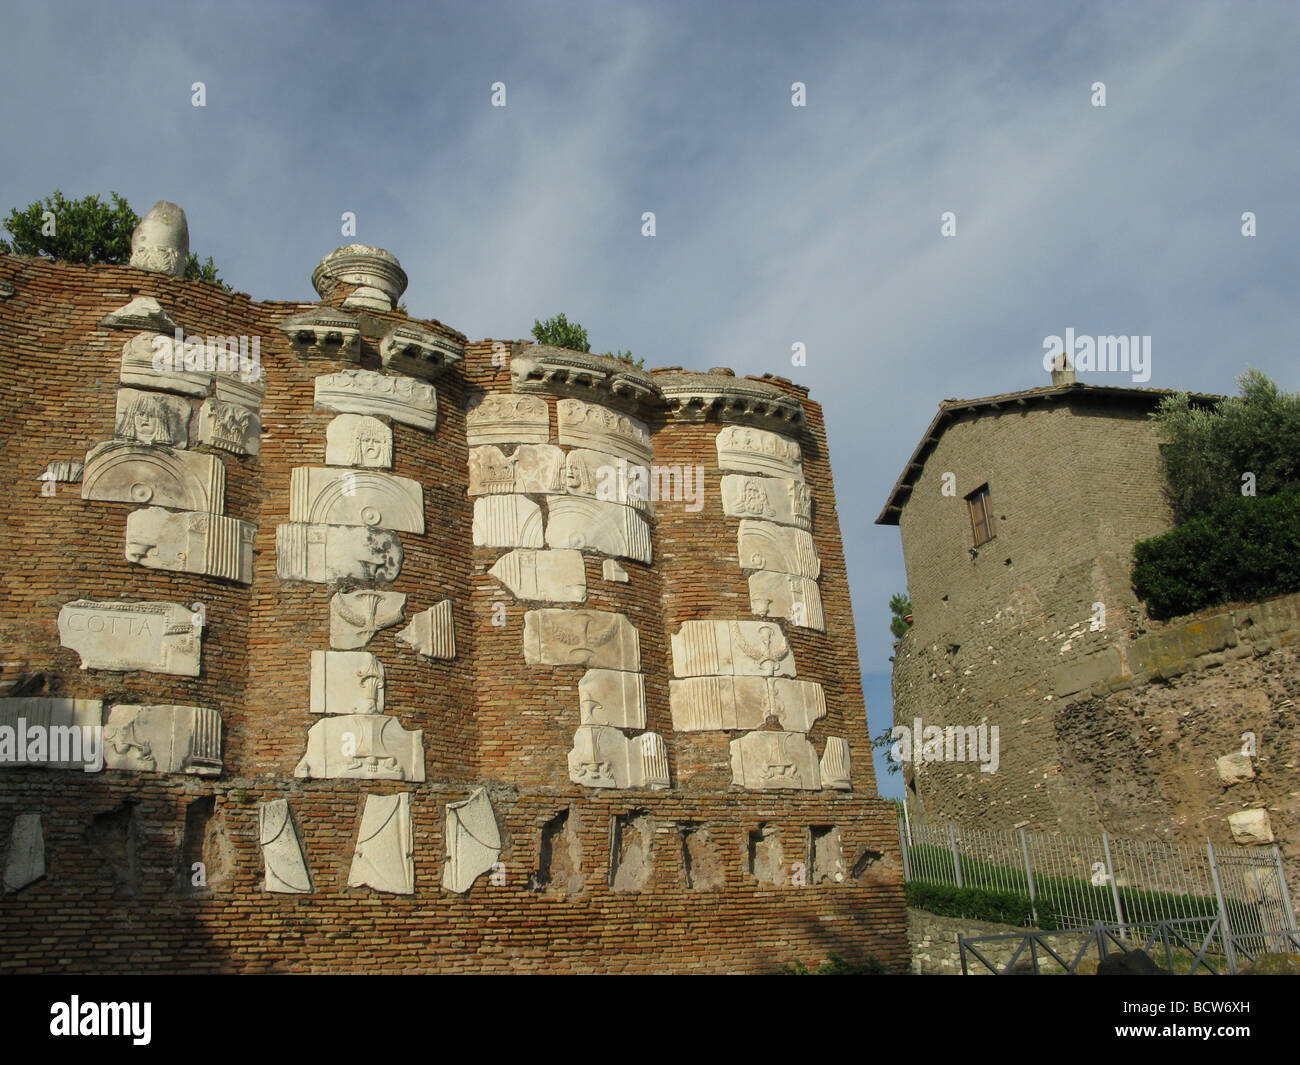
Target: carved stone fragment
<point>142,313</point>
<point>163,739</point>
<point>49,732</point>
<point>765,545</point>
<point>609,478</point>
<point>592,525</point>
<point>725,648</point>
<point>154,636</point>
<point>324,553</point>
<point>758,451</point>
<point>346,682</point>
<point>742,703</point>
<point>592,638</point>
<point>603,757</point>
<point>494,418</point>
<point>783,595</point>
<point>507,521</point>
<point>835,764</point>
<point>612,570</point>
<point>286,866</point>
<point>152,360</point>
<point>122,472</point>
<point>612,697</point>
<point>362,747</point>
<point>376,274</point>
<point>152,418</point>
<point>779,499</point>
<point>533,468</point>
<point>356,616</point>
<point>208,544</point>
<point>401,399</point>
<point>431,632</point>
<point>473,841</point>
<point>774,761</point>
<point>25,854</point>
<point>325,331</point>
<point>560,371</point>
<point>358,440</point>
<point>588,425</point>
<point>161,241</point>
<point>410,348</point>
<point>327,495</point>
<point>384,858</point>
<point>548,576</point>
<point>64,472</point>
<point>230,426</point>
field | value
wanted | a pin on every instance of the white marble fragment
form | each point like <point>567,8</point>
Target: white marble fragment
<point>119,471</point>
<point>612,570</point>
<point>780,499</point>
<point>401,399</point>
<point>589,425</point>
<point>584,524</point>
<point>161,240</point>
<point>784,595</point>
<point>384,858</point>
<point>768,546</point>
<point>603,757</point>
<point>362,747</point>
<point>358,440</point>
<point>328,495</point>
<point>154,636</point>
<point>163,739</point>
<point>346,682</point>
<point>286,866</point>
<point>596,639</point>
<point>63,472</point>
<point>325,331</point>
<point>356,616</point>
<point>153,360</point>
<point>750,450</point>
<point>531,468</point>
<point>25,854</point>
<point>775,761</point>
<point>432,632</point>
<point>725,648</point>
<point>548,576</point>
<point>741,703</point>
<point>609,478</point>
<point>835,764</point>
<point>507,521</point>
<point>324,553</point>
<point>142,313</point>
<point>152,418</point>
<point>410,348</point>
<point>472,839</point>
<point>612,697</point>
<point>208,544</point>
<point>230,426</point>
<point>497,418</point>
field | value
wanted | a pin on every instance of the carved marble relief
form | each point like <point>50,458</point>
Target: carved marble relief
<point>774,761</point>
<point>230,426</point>
<point>358,440</point>
<point>163,739</point>
<point>472,840</point>
<point>327,495</point>
<point>152,360</point>
<point>152,418</point>
<point>495,418</point>
<point>324,553</point>
<point>605,477</point>
<point>783,595</point>
<point>161,240</point>
<point>507,521</point>
<point>63,471</point>
<point>835,764</point>
<point>547,576</point>
<point>362,747</point>
<point>401,399</point>
<point>211,545</point>
<point>431,632</point>
<point>588,425</point>
<point>346,682</point>
<point>779,499</point>
<point>356,616</point>
<point>742,703</point>
<point>122,472</point>
<point>533,468</point>
<point>142,313</point>
<point>612,697</point>
<point>592,525</point>
<point>25,854</point>
<point>602,757</point>
<point>282,854</point>
<point>154,636</point>
<point>726,648</point>
<point>752,450</point>
<point>384,858</point>
<point>767,546</point>
<point>592,638</point>
<point>326,331</point>
<point>612,570</point>
<point>412,349</point>
<point>25,714</point>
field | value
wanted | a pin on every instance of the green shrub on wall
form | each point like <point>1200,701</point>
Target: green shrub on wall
<point>976,904</point>
<point>1245,548</point>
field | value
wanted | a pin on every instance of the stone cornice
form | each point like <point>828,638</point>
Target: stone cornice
<point>326,330</point>
<point>597,378</point>
<point>412,349</point>
<point>731,399</point>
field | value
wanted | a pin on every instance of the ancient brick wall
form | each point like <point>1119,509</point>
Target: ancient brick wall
<point>700,875</point>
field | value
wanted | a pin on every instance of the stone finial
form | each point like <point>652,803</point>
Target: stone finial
<point>377,273</point>
<point>161,242</point>
<point>1063,370</point>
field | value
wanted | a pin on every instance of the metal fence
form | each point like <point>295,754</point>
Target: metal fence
<point>1081,881</point>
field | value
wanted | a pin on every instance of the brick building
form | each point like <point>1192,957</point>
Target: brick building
<point>397,668</point>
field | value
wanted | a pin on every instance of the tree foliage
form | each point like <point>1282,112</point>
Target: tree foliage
<point>900,605</point>
<point>559,332</point>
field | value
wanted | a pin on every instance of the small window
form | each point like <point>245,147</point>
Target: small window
<point>981,515</point>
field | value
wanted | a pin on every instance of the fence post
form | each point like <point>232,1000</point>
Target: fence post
<point>1286,894</point>
<point>1114,889</point>
<point>1229,948</point>
<point>903,841</point>
<point>1029,874</point>
<point>956,861</point>
<point>907,821</point>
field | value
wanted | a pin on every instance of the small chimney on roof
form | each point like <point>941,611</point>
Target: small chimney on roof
<point>1063,370</point>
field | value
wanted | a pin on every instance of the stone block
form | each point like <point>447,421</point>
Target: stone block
<point>230,426</point>
<point>356,616</point>
<point>25,854</point>
<point>752,450</point>
<point>346,682</point>
<point>612,697</point>
<point>1083,672</point>
<point>603,757</point>
<point>507,521</point>
<point>591,525</point>
<point>612,570</point>
<point>123,472</point>
<point>432,632</point>
<point>779,499</point>
<point>152,360</point>
<point>324,553</point>
<point>282,855</point>
<point>727,648</point>
<point>1251,827</point>
<point>835,765</point>
<point>765,545</point>
<point>783,595</point>
<point>163,739</point>
<point>211,545</point>
<point>327,495</point>
<point>1173,651</point>
<point>589,425</point>
<point>152,418</point>
<point>400,399</point>
<point>531,468</point>
<point>362,747</point>
<point>53,733</point>
<point>1234,768</point>
<point>154,636</point>
<point>472,839</point>
<point>142,313</point>
<point>547,576</point>
<point>775,761</point>
<point>596,639</point>
<point>702,704</point>
<point>358,440</point>
<point>384,858</point>
<point>495,418</point>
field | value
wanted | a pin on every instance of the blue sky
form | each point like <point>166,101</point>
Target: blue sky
<point>775,224</point>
